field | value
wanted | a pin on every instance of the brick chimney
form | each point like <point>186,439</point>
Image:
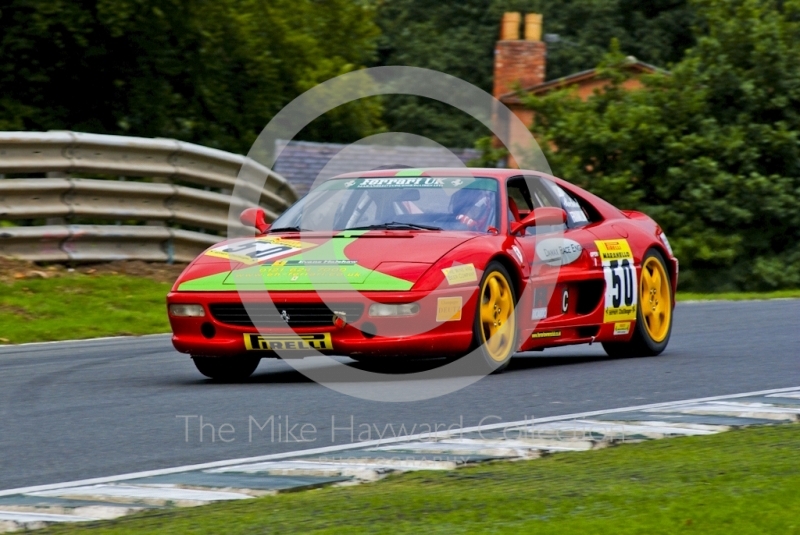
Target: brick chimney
<point>519,61</point>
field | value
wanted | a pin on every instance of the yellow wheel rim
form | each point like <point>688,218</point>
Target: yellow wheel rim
<point>655,298</point>
<point>498,322</point>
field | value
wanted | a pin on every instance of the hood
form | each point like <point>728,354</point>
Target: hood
<point>351,260</point>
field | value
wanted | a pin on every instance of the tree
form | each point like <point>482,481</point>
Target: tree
<point>458,38</point>
<point>655,31</point>
<point>710,151</point>
<point>212,72</point>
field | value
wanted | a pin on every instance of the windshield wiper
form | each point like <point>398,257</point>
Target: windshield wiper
<point>288,229</point>
<point>394,225</point>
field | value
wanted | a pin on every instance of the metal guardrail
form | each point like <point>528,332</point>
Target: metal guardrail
<point>179,166</point>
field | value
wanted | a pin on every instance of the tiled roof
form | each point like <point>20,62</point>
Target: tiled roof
<point>575,78</point>
<point>301,162</point>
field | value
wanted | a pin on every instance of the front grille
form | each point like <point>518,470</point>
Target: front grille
<point>269,315</point>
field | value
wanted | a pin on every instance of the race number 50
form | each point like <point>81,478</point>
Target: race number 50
<point>619,271</point>
<point>620,277</point>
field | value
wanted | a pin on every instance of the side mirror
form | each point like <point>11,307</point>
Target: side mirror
<point>540,216</point>
<point>256,218</point>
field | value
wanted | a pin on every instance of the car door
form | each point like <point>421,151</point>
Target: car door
<point>548,247</point>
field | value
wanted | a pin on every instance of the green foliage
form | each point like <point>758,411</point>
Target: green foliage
<point>209,71</point>
<point>711,151</point>
<point>215,72</point>
<point>655,31</point>
<point>458,38</point>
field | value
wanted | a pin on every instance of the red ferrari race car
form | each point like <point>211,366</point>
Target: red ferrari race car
<point>429,263</point>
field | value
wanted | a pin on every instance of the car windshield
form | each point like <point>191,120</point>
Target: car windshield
<point>395,203</point>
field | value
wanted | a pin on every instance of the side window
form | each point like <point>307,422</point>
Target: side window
<point>576,216</point>
<point>527,194</point>
<point>519,198</point>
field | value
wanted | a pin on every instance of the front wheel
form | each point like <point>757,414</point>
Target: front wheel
<point>495,327</point>
<point>226,368</point>
<point>653,313</point>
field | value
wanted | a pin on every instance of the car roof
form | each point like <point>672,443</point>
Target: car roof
<point>488,172</point>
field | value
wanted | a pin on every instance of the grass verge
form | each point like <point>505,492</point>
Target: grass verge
<point>745,481</point>
<point>81,306</point>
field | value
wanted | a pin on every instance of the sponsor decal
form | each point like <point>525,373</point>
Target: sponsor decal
<point>540,300</point>
<point>460,274</point>
<point>448,309</point>
<point>578,216</point>
<point>413,179</point>
<point>614,249</point>
<point>258,250</point>
<point>518,254</point>
<point>620,275</point>
<point>539,313</point>
<point>281,273</point>
<point>622,328</point>
<point>546,334</point>
<point>270,342</point>
<point>397,182</point>
<point>558,252</point>
<point>311,263</point>
<point>564,301</point>
<point>568,202</point>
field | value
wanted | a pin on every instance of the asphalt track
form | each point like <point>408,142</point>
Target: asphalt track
<point>77,410</point>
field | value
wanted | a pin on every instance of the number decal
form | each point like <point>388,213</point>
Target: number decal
<point>621,283</point>
<point>258,250</point>
<point>620,275</point>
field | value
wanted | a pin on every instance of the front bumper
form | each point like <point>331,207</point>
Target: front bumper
<point>423,335</point>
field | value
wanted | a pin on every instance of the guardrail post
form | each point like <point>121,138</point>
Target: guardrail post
<point>170,251</point>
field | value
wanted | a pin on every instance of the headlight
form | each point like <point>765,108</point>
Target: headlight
<point>665,241</point>
<point>379,310</point>
<point>194,311</point>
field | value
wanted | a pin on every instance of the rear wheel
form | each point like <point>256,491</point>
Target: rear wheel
<point>495,328</point>
<point>653,314</point>
<point>226,368</point>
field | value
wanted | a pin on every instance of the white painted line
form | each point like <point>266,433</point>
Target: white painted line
<point>362,472</point>
<point>453,448</point>
<point>676,425</point>
<point>790,395</point>
<point>741,410</point>
<point>78,340</point>
<point>739,407</point>
<point>527,444</point>
<point>24,518</point>
<point>335,467</point>
<point>579,429</point>
<point>371,443</point>
<point>144,492</point>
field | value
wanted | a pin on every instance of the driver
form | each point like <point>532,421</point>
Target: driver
<point>473,207</point>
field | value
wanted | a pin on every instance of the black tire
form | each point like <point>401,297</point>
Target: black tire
<point>642,343</point>
<point>498,363</point>
<point>226,368</point>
